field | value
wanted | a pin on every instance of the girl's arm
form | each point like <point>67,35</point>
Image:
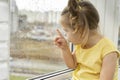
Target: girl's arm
<point>69,58</point>
<point>108,66</point>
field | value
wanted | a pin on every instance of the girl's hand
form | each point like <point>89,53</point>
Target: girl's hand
<point>60,41</point>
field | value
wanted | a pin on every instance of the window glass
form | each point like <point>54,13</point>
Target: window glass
<point>33,28</point>
<point>119,42</point>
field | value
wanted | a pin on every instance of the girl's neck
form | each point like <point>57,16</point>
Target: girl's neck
<point>93,38</point>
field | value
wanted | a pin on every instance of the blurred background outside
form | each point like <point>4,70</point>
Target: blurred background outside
<point>33,28</point>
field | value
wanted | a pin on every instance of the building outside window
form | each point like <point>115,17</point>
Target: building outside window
<point>33,28</point>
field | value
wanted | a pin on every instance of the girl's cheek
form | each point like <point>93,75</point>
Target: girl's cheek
<point>68,38</point>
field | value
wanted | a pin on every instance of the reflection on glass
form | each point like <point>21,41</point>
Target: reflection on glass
<point>32,33</point>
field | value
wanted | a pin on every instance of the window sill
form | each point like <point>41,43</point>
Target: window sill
<point>54,75</point>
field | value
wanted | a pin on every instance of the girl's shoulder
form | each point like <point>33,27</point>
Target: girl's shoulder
<point>107,41</point>
<point>108,46</point>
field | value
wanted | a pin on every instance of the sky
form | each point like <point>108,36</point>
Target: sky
<point>41,5</point>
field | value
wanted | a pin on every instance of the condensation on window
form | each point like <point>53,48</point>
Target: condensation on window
<point>33,29</point>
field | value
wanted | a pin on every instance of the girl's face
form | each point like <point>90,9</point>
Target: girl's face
<point>69,32</point>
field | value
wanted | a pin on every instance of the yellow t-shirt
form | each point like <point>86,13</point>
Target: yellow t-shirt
<point>90,60</point>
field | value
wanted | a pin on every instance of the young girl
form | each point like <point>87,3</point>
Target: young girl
<point>95,57</point>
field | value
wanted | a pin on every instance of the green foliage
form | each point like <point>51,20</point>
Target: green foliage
<point>12,77</point>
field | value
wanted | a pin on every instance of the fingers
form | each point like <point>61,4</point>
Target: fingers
<point>59,33</point>
<point>58,41</point>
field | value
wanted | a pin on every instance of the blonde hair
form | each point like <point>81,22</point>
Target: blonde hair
<point>82,16</point>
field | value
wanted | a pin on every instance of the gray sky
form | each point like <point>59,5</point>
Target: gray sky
<point>41,5</point>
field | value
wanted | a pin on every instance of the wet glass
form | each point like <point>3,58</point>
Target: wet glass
<point>33,29</point>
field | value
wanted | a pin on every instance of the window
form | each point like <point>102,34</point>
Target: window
<point>119,42</point>
<point>33,26</point>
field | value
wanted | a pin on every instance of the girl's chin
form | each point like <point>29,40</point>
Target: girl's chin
<point>75,43</point>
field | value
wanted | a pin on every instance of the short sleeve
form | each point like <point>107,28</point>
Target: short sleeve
<point>108,49</point>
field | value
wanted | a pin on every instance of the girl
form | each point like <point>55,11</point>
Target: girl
<point>95,57</point>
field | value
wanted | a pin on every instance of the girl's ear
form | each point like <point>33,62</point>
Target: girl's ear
<point>74,30</point>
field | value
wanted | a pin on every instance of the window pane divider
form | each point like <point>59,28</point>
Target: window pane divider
<point>52,74</point>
